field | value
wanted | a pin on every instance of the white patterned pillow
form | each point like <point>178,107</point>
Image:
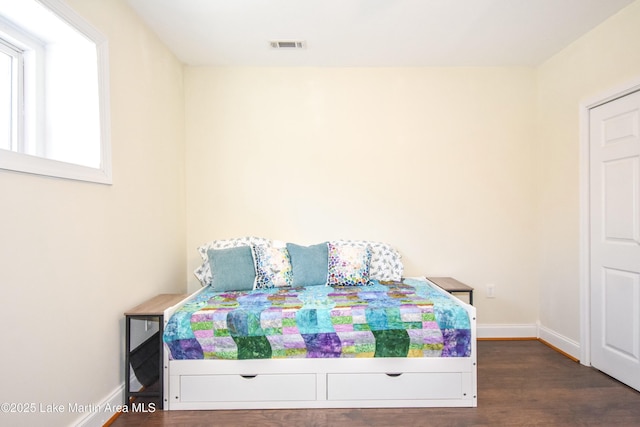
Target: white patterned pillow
<point>273,267</point>
<point>203,272</point>
<point>349,265</point>
<point>386,262</point>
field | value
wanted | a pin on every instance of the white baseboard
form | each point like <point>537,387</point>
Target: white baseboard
<point>108,407</point>
<point>507,331</point>
<point>569,346</point>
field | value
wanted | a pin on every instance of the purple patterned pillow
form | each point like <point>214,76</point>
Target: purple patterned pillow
<point>348,265</point>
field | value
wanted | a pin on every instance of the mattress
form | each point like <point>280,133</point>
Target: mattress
<point>387,319</point>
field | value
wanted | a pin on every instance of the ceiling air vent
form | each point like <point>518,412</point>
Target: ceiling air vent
<point>288,44</point>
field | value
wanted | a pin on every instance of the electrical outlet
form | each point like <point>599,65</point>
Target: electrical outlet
<point>491,291</point>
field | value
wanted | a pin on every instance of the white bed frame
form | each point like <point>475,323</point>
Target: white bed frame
<point>322,383</point>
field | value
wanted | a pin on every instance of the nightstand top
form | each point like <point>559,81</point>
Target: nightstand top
<point>156,305</point>
<point>450,284</point>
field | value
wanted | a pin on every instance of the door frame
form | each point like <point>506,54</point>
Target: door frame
<point>585,215</point>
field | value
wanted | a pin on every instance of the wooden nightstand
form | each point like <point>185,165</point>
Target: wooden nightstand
<point>452,286</point>
<point>152,309</point>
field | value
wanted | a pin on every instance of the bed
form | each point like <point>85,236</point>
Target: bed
<point>354,333</point>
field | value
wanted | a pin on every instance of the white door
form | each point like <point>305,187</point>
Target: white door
<point>615,238</point>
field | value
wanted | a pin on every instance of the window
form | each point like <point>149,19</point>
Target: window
<point>54,112</point>
<point>10,62</point>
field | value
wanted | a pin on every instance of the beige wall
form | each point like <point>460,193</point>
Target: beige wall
<point>435,161</point>
<point>76,255</point>
<point>604,59</point>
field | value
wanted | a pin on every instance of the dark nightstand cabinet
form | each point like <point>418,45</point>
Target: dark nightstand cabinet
<point>147,358</point>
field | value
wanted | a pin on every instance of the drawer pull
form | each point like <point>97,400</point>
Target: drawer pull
<point>393,375</point>
<point>249,377</point>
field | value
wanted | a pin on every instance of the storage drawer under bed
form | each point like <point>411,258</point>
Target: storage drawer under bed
<point>391,386</point>
<point>247,388</point>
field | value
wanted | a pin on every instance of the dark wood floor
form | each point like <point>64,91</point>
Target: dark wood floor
<point>520,383</point>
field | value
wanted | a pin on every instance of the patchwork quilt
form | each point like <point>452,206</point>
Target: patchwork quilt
<point>387,319</point>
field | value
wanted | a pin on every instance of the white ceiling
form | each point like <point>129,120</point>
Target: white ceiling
<point>372,32</point>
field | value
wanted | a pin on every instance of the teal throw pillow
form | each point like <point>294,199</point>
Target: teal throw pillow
<point>309,263</point>
<point>232,269</point>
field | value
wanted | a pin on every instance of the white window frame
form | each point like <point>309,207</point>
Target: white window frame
<point>15,53</point>
<point>29,101</point>
<point>34,164</point>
